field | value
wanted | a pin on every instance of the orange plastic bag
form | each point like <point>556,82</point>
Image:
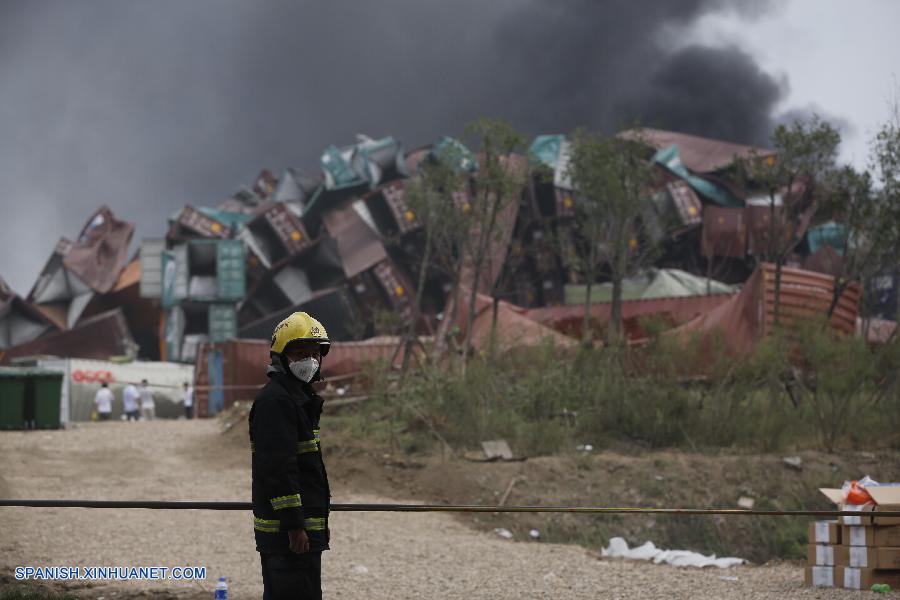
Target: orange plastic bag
<point>857,494</point>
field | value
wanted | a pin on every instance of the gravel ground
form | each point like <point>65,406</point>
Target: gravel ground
<point>378,555</point>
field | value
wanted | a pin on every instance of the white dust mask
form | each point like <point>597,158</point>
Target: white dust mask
<point>305,369</point>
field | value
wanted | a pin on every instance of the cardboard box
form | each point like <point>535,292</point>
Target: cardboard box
<point>887,499</point>
<point>824,532</point>
<point>871,536</point>
<point>865,557</point>
<point>837,497</point>
<point>863,579</point>
<point>821,576</point>
<point>824,555</point>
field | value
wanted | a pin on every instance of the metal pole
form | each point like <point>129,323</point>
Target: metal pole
<point>596,510</point>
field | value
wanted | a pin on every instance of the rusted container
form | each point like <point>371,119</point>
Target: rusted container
<point>235,370</point>
<point>569,319</point>
<point>396,287</point>
<point>192,223</point>
<point>278,235</point>
<point>368,294</point>
<point>565,203</point>
<point>99,336</point>
<point>687,204</point>
<point>724,232</point>
<point>390,211</point>
<point>228,371</point>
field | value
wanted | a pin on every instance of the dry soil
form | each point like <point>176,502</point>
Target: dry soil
<point>377,555</point>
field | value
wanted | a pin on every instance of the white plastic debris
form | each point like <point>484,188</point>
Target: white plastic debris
<point>585,447</point>
<point>504,533</point>
<point>535,534</point>
<point>360,569</point>
<point>618,548</point>
<point>793,462</point>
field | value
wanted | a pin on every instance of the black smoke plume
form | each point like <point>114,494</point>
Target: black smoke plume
<point>146,106</point>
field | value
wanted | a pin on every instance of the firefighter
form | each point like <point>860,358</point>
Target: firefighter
<point>291,497</point>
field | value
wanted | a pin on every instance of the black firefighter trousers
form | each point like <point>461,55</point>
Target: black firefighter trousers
<point>292,576</point>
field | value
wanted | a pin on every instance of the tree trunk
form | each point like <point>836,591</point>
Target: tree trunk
<point>618,266</point>
<point>836,296</point>
<point>470,316</point>
<point>482,249</point>
<point>417,305</point>
<point>495,310</point>
<point>772,253</point>
<point>777,308</point>
<point>587,337</point>
<point>615,320</point>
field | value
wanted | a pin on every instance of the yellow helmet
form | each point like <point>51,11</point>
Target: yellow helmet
<point>299,326</point>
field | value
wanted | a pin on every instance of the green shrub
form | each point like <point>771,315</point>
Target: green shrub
<point>833,390</point>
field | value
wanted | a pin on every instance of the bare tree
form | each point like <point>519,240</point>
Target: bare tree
<point>805,156</point>
<point>886,165</point>
<point>432,198</point>
<point>611,180</point>
<point>496,184</point>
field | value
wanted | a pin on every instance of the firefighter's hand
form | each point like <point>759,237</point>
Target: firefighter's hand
<point>298,541</point>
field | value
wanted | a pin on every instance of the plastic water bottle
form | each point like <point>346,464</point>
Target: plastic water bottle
<point>221,590</point>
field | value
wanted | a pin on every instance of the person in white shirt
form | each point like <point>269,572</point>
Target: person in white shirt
<point>188,401</point>
<point>148,408</point>
<point>130,396</point>
<point>103,401</point>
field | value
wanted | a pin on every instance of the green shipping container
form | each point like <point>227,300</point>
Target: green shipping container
<point>29,398</point>
<point>222,322</point>
<point>230,261</point>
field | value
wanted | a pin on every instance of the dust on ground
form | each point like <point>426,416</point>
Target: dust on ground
<point>375,555</point>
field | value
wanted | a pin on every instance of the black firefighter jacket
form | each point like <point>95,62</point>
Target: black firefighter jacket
<point>290,485</point>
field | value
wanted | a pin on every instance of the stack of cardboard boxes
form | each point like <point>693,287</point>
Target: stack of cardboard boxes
<point>857,551</point>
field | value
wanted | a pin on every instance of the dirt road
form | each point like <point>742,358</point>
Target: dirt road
<point>376,555</point>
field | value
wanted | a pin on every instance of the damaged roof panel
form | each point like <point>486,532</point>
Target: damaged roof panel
<point>101,337</point>
<point>100,251</point>
<point>699,154</point>
<point>359,247</point>
<point>20,322</point>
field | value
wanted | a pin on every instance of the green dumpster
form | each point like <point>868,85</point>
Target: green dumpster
<point>29,398</point>
<point>47,389</point>
<point>12,399</point>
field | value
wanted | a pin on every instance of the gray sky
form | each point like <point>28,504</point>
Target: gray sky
<point>842,61</point>
<point>146,106</point>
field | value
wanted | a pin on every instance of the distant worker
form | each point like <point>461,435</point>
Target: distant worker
<point>103,401</point>
<point>188,401</point>
<point>148,408</point>
<point>130,396</point>
<point>291,497</point>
